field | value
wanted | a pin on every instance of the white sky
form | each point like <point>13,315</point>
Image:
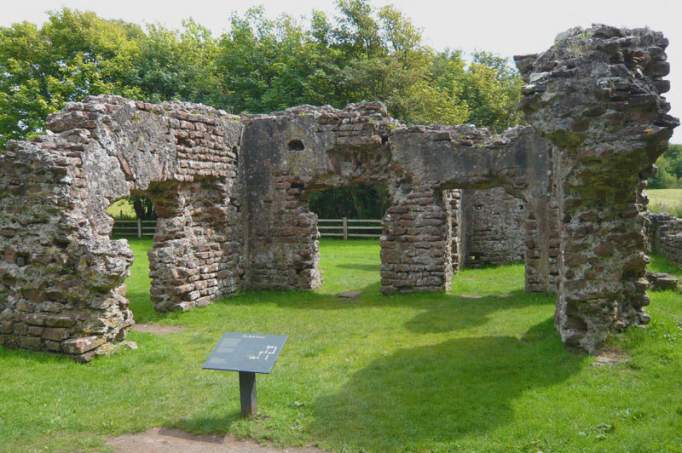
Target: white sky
<point>506,27</point>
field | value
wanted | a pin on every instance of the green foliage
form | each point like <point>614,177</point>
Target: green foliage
<point>492,91</point>
<point>480,368</point>
<point>74,54</point>
<point>259,65</point>
<point>181,65</point>
<point>354,202</point>
<point>669,173</point>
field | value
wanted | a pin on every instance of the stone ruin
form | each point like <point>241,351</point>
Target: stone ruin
<point>492,228</point>
<point>664,234</point>
<point>231,196</point>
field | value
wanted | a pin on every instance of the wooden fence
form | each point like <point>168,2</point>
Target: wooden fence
<point>134,228</point>
<point>341,228</point>
<point>349,228</point>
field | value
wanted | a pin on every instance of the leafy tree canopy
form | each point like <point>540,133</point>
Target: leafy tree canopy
<point>259,65</point>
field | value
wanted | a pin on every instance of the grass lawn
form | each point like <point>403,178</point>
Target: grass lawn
<point>666,200</point>
<point>480,369</point>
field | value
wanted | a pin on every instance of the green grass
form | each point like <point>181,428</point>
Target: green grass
<point>122,209</point>
<point>666,200</point>
<point>480,369</point>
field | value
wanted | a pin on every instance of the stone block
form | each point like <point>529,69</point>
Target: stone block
<point>82,345</point>
<point>55,333</point>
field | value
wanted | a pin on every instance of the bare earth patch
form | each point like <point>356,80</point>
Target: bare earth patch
<point>610,356</point>
<point>156,329</point>
<point>162,440</point>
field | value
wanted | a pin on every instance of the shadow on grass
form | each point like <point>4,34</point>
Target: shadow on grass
<point>439,393</point>
<point>438,312</point>
<point>461,312</point>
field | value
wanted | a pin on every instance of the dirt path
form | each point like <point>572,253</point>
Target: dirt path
<point>161,440</point>
<point>156,329</point>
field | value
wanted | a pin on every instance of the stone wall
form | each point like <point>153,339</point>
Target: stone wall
<point>231,194</point>
<point>421,168</point>
<point>596,96</point>
<point>62,276</point>
<point>664,234</point>
<point>414,245</point>
<point>493,231</point>
<point>285,157</point>
<point>452,200</point>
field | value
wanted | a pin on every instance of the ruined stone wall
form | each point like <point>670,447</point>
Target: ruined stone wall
<point>287,156</point>
<point>596,95</point>
<point>231,194</point>
<point>195,255</point>
<point>57,293</point>
<point>493,227</point>
<point>664,234</point>
<point>62,275</point>
<point>414,245</point>
<point>497,227</point>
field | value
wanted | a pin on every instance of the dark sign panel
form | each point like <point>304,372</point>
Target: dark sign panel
<point>247,352</point>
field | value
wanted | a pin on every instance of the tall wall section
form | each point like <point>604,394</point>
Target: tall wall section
<point>596,95</point>
<point>61,275</point>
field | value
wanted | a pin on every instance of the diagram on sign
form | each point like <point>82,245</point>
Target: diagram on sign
<point>264,354</point>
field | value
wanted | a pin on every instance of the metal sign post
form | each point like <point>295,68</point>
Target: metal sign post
<point>247,393</point>
<point>247,353</point>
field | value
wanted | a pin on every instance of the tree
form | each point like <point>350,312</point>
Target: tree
<point>178,65</point>
<point>74,54</point>
<point>492,91</point>
<point>259,65</point>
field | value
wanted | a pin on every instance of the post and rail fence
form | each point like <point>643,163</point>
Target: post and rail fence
<point>343,228</point>
<point>134,228</point>
<point>350,228</point>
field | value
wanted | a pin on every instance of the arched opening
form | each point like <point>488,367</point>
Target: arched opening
<point>183,232</point>
<point>500,225</point>
<point>135,221</point>
<point>134,217</point>
<point>350,224</point>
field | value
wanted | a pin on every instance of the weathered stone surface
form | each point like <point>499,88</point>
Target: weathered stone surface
<point>61,276</point>
<point>660,281</point>
<point>596,96</point>
<point>493,227</point>
<point>231,195</point>
<point>664,234</point>
<point>422,168</point>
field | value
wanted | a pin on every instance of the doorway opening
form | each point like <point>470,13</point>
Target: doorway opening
<point>135,221</point>
<point>350,224</point>
<point>492,227</point>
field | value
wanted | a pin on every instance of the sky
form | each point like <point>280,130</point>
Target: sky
<point>506,27</point>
